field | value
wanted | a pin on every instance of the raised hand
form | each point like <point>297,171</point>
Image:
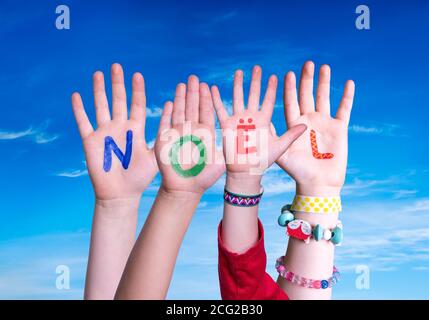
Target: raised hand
<point>318,159</point>
<point>119,162</point>
<point>250,144</point>
<point>185,147</point>
<point>189,164</point>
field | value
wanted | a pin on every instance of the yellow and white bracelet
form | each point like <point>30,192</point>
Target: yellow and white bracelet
<point>324,205</point>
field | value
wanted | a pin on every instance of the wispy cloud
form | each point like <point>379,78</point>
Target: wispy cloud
<point>399,194</point>
<point>72,173</point>
<point>37,134</point>
<point>153,112</point>
<point>420,205</point>
<point>380,129</point>
<point>365,186</point>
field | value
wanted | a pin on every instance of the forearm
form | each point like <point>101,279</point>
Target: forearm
<point>151,263</point>
<point>112,238</point>
<point>240,224</point>
<point>314,260</point>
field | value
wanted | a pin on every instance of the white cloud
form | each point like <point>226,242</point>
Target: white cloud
<point>38,134</point>
<point>379,129</point>
<point>43,138</point>
<point>72,173</point>
<point>421,268</point>
<point>153,112</point>
<point>12,135</point>
<point>399,194</point>
<point>362,129</point>
<point>420,205</point>
<point>364,187</point>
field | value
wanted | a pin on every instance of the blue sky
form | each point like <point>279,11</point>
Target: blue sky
<point>46,198</point>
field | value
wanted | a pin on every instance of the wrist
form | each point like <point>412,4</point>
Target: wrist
<point>117,208</point>
<point>317,190</point>
<point>243,183</point>
<point>117,203</point>
<point>178,194</point>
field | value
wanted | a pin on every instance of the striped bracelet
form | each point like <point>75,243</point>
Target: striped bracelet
<point>304,282</point>
<point>242,200</point>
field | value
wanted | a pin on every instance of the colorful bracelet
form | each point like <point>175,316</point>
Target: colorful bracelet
<point>304,282</point>
<point>242,200</point>
<point>324,205</point>
<point>302,230</point>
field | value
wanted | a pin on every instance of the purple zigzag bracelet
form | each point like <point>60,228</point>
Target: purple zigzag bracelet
<point>241,200</point>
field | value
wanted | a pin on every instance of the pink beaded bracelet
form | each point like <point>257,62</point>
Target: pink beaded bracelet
<point>304,282</point>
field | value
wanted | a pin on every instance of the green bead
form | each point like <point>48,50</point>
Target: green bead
<point>318,233</point>
<point>285,218</point>
<point>337,235</point>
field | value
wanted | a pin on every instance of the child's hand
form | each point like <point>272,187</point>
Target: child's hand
<point>187,128</point>
<point>250,144</point>
<point>108,174</point>
<point>318,159</point>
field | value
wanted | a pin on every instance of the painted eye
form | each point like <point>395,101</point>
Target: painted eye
<point>295,224</point>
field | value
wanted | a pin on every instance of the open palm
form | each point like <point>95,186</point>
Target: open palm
<point>256,146</point>
<point>319,156</point>
<point>116,181</point>
<point>187,132</point>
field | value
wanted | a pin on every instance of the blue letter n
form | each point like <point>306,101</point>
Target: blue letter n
<point>110,145</point>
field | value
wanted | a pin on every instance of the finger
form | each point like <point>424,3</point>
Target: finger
<point>238,100</point>
<point>165,121</point>
<point>286,140</point>
<point>206,106</point>
<point>83,123</point>
<point>119,95</point>
<point>270,97</point>
<point>221,113</point>
<point>290,100</point>
<point>306,100</point>
<point>138,100</point>
<point>255,89</point>
<point>346,103</point>
<point>102,112</point>
<point>179,104</point>
<point>192,99</point>
<point>322,93</point>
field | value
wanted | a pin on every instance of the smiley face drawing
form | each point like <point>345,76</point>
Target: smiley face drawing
<point>299,229</point>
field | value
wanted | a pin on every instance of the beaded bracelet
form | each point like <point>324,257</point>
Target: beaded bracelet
<point>302,230</point>
<point>304,282</point>
<point>242,200</point>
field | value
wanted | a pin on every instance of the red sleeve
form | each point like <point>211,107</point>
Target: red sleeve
<point>243,276</point>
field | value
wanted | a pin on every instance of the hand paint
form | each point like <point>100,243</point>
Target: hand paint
<point>110,145</point>
<point>314,149</point>
<point>174,156</point>
<point>243,131</point>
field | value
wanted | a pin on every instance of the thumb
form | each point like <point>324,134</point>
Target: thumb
<point>283,143</point>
